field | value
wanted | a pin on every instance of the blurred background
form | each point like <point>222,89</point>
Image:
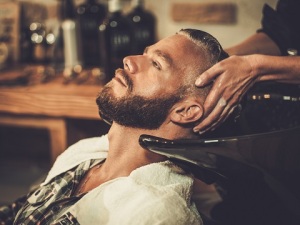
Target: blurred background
<point>55,55</point>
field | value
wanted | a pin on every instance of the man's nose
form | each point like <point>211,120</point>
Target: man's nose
<point>131,63</point>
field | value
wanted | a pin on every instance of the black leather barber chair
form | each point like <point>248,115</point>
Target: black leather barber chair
<point>254,161</point>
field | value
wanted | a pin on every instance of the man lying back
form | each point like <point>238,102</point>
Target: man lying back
<point>153,94</point>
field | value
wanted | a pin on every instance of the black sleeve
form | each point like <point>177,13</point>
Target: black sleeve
<point>283,24</point>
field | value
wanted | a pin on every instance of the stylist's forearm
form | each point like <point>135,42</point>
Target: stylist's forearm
<point>277,68</point>
<point>258,43</point>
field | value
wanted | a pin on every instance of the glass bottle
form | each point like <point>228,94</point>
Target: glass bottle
<point>114,38</point>
<point>143,23</point>
<point>25,45</point>
<point>38,42</point>
<point>71,38</point>
<point>90,15</point>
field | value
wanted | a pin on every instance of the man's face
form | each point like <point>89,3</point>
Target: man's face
<point>142,94</point>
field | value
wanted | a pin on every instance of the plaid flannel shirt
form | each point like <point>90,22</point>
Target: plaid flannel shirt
<point>46,204</point>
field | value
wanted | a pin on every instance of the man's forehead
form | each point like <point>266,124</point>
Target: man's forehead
<point>176,46</point>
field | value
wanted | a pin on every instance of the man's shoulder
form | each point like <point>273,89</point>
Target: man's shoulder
<point>157,204</point>
<point>129,202</point>
<point>165,176</point>
<point>159,190</point>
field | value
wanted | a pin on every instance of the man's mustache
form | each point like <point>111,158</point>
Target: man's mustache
<point>127,79</point>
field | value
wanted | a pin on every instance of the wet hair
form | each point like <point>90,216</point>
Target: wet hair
<point>213,53</point>
<point>207,42</point>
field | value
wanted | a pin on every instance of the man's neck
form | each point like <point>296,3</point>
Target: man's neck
<point>125,154</point>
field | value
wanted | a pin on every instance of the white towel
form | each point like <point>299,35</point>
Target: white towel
<point>155,194</point>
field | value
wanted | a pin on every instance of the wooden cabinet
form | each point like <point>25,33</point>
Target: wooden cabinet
<point>48,105</point>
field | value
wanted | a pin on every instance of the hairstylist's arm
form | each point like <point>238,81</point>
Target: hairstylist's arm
<point>234,76</point>
<point>258,43</point>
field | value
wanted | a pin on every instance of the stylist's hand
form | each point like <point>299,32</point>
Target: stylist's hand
<point>232,78</point>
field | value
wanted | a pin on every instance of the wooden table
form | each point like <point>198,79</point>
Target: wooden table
<point>47,105</point>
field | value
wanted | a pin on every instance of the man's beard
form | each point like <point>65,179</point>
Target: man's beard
<point>134,110</point>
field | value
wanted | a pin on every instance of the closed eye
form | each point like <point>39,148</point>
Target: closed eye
<point>156,65</point>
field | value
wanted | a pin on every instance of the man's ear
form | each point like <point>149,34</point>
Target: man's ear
<point>187,111</point>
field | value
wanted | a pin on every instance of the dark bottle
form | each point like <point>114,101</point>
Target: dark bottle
<point>114,38</point>
<point>71,38</point>
<point>144,25</point>
<point>90,15</point>
<point>38,33</point>
<point>26,48</point>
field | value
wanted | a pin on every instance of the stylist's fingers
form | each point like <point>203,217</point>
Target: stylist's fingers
<point>220,113</point>
<point>220,91</point>
<point>212,117</point>
<point>224,115</point>
<point>212,99</point>
<point>214,104</point>
<point>213,107</point>
<point>207,76</point>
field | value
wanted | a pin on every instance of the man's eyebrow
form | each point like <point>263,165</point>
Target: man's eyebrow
<point>166,57</point>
